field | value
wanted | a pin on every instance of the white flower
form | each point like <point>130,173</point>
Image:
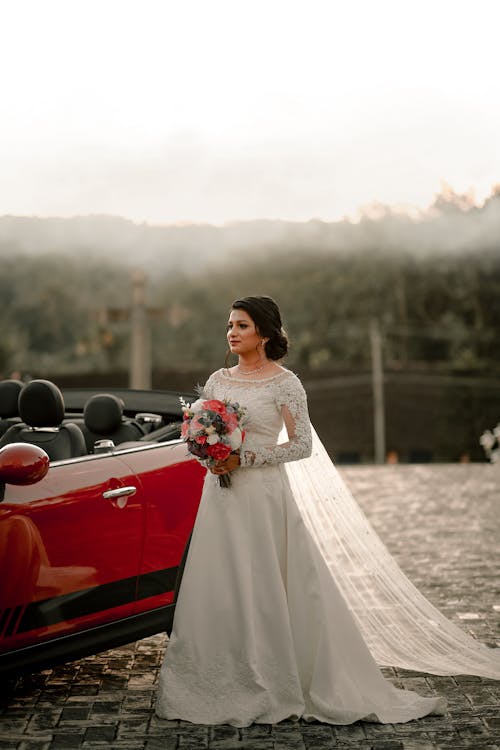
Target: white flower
<point>487,440</point>
<point>235,439</point>
<point>210,430</point>
<point>491,444</point>
<point>213,438</point>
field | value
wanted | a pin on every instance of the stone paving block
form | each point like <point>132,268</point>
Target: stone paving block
<point>250,744</point>
<point>376,731</point>
<point>160,726</point>
<point>188,742</point>
<point>14,725</point>
<point>318,732</point>
<point>458,703</point>
<point>34,745</point>
<point>138,701</point>
<point>44,720</point>
<point>350,732</point>
<point>415,728</point>
<point>84,689</point>
<point>105,707</point>
<point>101,733</point>
<point>331,744</point>
<point>112,684</point>
<point>141,680</point>
<point>71,714</point>
<point>18,713</point>
<point>66,741</point>
<point>164,743</point>
<point>255,731</point>
<point>291,738</point>
<point>132,727</point>
<point>457,744</point>
<point>193,730</point>
<point>227,732</point>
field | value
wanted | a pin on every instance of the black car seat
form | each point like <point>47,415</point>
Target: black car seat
<point>103,419</point>
<point>9,409</point>
<point>41,408</point>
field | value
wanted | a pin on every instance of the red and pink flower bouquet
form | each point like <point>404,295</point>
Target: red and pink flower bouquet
<point>212,430</point>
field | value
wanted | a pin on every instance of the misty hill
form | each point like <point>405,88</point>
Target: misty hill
<point>160,247</point>
<point>452,224</point>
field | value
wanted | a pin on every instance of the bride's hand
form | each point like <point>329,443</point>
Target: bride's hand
<point>224,467</point>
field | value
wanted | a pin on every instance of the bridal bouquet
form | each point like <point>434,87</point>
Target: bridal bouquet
<point>212,430</point>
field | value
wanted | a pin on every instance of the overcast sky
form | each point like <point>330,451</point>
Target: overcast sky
<point>221,110</point>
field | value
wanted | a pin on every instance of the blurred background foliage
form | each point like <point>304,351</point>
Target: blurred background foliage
<point>432,281</point>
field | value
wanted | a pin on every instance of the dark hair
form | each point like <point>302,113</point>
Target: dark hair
<point>267,318</point>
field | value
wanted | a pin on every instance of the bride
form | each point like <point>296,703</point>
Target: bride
<point>289,600</point>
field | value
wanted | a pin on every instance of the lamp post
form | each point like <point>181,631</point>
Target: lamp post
<point>140,336</point>
<point>378,392</point>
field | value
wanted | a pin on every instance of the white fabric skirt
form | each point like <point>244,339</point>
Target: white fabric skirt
<point>261,631</point>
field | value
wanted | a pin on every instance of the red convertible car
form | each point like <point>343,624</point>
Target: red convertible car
<point>98,500</point>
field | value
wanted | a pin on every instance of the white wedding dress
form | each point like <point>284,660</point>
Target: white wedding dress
<point>262,631</point>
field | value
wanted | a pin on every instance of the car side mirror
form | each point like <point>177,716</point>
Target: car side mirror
<point>22,463</point>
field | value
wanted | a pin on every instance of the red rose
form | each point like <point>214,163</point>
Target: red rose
<point>219,451</point>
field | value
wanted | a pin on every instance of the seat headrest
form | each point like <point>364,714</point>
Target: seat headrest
<point>41,404</point>
<point>103,413</point>
<point>9,397</point>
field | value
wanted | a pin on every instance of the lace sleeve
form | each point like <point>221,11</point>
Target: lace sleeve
<point>291,400</point>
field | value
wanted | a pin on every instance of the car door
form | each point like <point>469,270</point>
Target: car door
<point>69,550</point>
<point>171,481</point>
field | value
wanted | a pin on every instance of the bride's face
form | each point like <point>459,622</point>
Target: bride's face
<point>242,336</point>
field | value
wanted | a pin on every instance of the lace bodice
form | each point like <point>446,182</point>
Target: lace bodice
<point>270,403</point>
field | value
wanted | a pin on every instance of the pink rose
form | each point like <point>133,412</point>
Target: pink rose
<point>230,421</point>
<point>196,426</point>
<point>215,405</point>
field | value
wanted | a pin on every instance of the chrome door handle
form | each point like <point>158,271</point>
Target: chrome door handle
<point>119,492</point>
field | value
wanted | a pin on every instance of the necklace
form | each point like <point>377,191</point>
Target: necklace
<point>251,372</point>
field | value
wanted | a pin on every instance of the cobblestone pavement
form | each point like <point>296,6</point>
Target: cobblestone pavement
<point>443,525</point>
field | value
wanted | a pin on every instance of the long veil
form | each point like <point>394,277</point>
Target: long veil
<point>400,626</point>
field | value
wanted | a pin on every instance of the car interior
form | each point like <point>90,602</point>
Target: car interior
<point>36,412</point>
<point>9,409</point>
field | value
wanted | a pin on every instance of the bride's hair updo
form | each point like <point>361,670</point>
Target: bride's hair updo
<point>267,318</point>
